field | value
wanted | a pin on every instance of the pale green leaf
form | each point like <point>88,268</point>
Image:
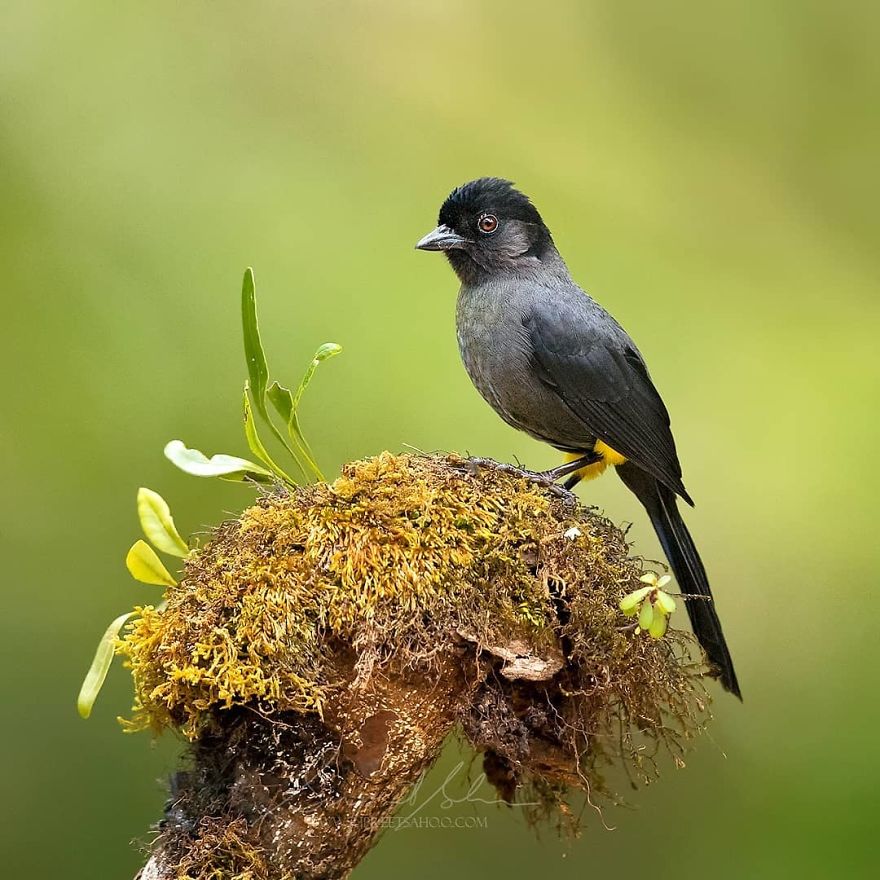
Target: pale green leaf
<point>664,602</point>
<point>227,466</point>
<point>631,601</point>
<point>646,615</point>
<point>94,679</point>
<point>145,566</point>
<point>158,524</point>
<point>658,626</point>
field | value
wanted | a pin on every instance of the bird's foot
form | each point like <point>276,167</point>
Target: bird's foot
<point>546,479</point>
<point>570,467</point>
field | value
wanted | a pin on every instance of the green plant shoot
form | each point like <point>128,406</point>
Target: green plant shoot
<point>258,393</point>
<point>652,604</point>
<point>153,512</point>
<point>283,401</point>
<point>254,442</point>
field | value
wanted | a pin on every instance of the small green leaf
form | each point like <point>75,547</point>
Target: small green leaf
<point>281,398</point>
<point>327,351</point>
<point>324,352</point>
<point>94,679</point>
<point>658,626</point>
<point>158,524</point>
<point>145,566</point>
<point>258,369</point>
<point>631,601</point>
<point>664,602</point>
<point>253,439</point>
<point>226,466</point>
<point>646,615</point>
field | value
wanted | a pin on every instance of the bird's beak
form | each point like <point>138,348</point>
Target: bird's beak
<point>441,239</point>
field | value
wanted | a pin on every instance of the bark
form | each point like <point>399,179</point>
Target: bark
<point>315,793</point>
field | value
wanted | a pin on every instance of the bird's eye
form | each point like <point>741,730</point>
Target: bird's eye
<point>487,223</point>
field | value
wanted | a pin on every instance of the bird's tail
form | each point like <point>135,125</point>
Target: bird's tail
<point>662,507</point>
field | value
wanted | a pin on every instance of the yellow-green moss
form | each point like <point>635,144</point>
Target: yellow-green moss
<point>392,560</point>
<point>221,850</point>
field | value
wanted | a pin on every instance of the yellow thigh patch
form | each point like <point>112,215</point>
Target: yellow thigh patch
<point>591,471</point>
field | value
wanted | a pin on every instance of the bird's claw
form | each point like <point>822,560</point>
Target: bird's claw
<point>546,479</point>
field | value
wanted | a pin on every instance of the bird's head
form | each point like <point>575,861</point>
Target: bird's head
<point>488,227</point>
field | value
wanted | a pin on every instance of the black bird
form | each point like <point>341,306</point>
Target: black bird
<point>553,363</point>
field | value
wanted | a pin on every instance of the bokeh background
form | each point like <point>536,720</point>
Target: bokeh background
<point>710,173</point>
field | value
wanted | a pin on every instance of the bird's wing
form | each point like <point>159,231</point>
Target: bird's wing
<point>594,368</point>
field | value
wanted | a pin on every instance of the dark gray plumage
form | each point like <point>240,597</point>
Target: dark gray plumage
<point>553,363</point>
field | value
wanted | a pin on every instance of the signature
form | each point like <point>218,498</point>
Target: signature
<point>444,798</point>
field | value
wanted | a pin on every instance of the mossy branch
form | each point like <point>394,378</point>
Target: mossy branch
<point>320,649</point>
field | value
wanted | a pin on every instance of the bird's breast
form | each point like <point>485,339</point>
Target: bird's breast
<point>492,343</point>
<point>497,355</point>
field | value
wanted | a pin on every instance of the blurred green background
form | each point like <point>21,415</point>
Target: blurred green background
<point>710,172</point>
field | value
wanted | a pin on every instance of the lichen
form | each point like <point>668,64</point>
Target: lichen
<point>403,558</point>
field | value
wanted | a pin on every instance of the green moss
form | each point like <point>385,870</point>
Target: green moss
<point>398,559</point>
